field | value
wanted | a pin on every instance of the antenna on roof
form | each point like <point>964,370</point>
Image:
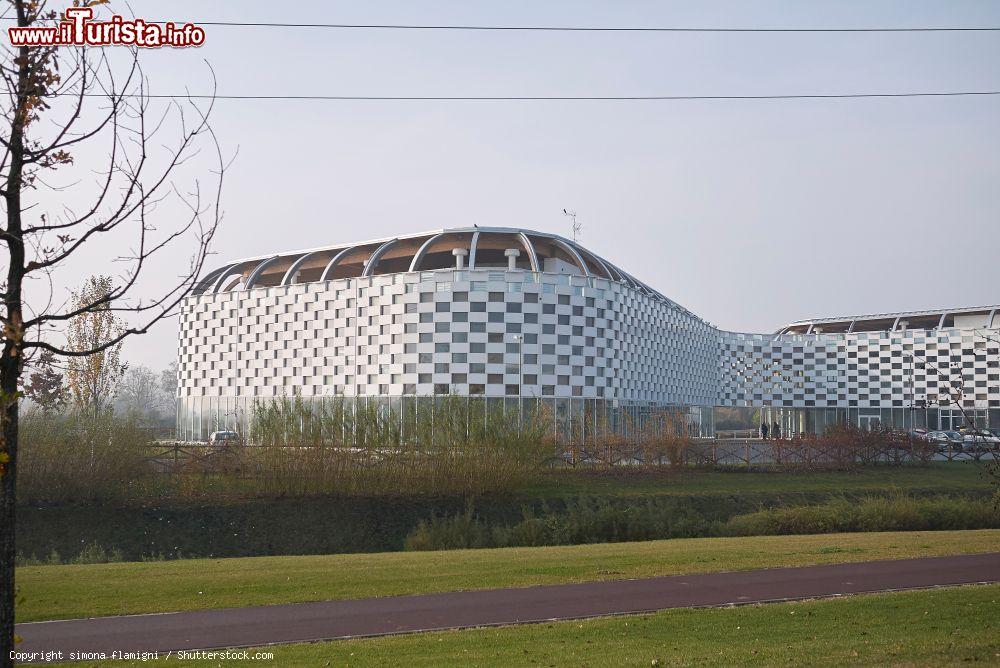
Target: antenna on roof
<point>577,227</point>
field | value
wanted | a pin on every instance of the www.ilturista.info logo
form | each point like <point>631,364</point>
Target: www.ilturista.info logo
<point>77,29</point>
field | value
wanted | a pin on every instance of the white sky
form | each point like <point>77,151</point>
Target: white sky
<point>750,213</point>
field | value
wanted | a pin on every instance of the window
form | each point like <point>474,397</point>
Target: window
<point>441,388</point>
<point>496,297</point>
<point>495,379</point>
<point>512,389</point>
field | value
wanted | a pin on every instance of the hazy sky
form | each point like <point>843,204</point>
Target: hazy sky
<point>750,213</point>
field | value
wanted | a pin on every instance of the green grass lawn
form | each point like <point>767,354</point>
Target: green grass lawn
<point>932,627</point>
<point>942,477</point>
<point>60,592</point>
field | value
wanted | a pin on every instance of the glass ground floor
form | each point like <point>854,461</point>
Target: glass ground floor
<point>576,419</point>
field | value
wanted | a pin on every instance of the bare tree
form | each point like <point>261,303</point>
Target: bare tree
<point>62,103</point>
<point>140,391</point>
<point>168,380</point>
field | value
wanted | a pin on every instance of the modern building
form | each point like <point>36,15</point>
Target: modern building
<point>514,315</point>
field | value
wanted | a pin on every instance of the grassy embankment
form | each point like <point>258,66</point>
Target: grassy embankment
<point>60,592</point>
<point>943,627</point>
<point>692,500</point>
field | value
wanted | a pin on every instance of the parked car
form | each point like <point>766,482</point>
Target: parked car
<point>980,440</point>
<point>918,434</point>
<point>947,439</point>
<point>225,438</point>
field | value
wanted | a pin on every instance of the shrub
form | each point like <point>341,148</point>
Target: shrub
<point>897,513</point>
<point>80,457</point>
<point>580,521</point>
<point>456,533</point>
<point>621,520</point>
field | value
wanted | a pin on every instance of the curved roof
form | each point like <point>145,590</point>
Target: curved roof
<point>966,318</point>
<point>475,247</point>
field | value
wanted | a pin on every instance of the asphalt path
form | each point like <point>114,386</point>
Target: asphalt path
<point>328,620</point>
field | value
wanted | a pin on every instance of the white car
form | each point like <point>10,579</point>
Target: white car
<point>224,438</point>
<point>980,440</point>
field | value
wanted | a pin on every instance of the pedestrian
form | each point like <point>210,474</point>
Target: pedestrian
<point>776,430</point>
<point>763,430</point>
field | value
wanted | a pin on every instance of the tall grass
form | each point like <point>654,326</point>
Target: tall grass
<point>77,457</point>
<point>441,446</point>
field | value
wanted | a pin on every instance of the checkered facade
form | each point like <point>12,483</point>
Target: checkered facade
<point>519,333</point>
<point>864,369</point>
<point>491,333</point>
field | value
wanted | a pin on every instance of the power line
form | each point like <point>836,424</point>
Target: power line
<point>549,98</point>
<point>537,28</point>
<point>403,26</point>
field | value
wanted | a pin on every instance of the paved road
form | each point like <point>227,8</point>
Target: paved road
<point>241,627</point>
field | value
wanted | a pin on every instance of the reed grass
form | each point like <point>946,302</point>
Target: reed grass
<point>80,457</point>
<point>441,446</point>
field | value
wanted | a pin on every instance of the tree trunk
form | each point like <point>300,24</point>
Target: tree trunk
<point>11,361</point>
<point>9,368</point>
